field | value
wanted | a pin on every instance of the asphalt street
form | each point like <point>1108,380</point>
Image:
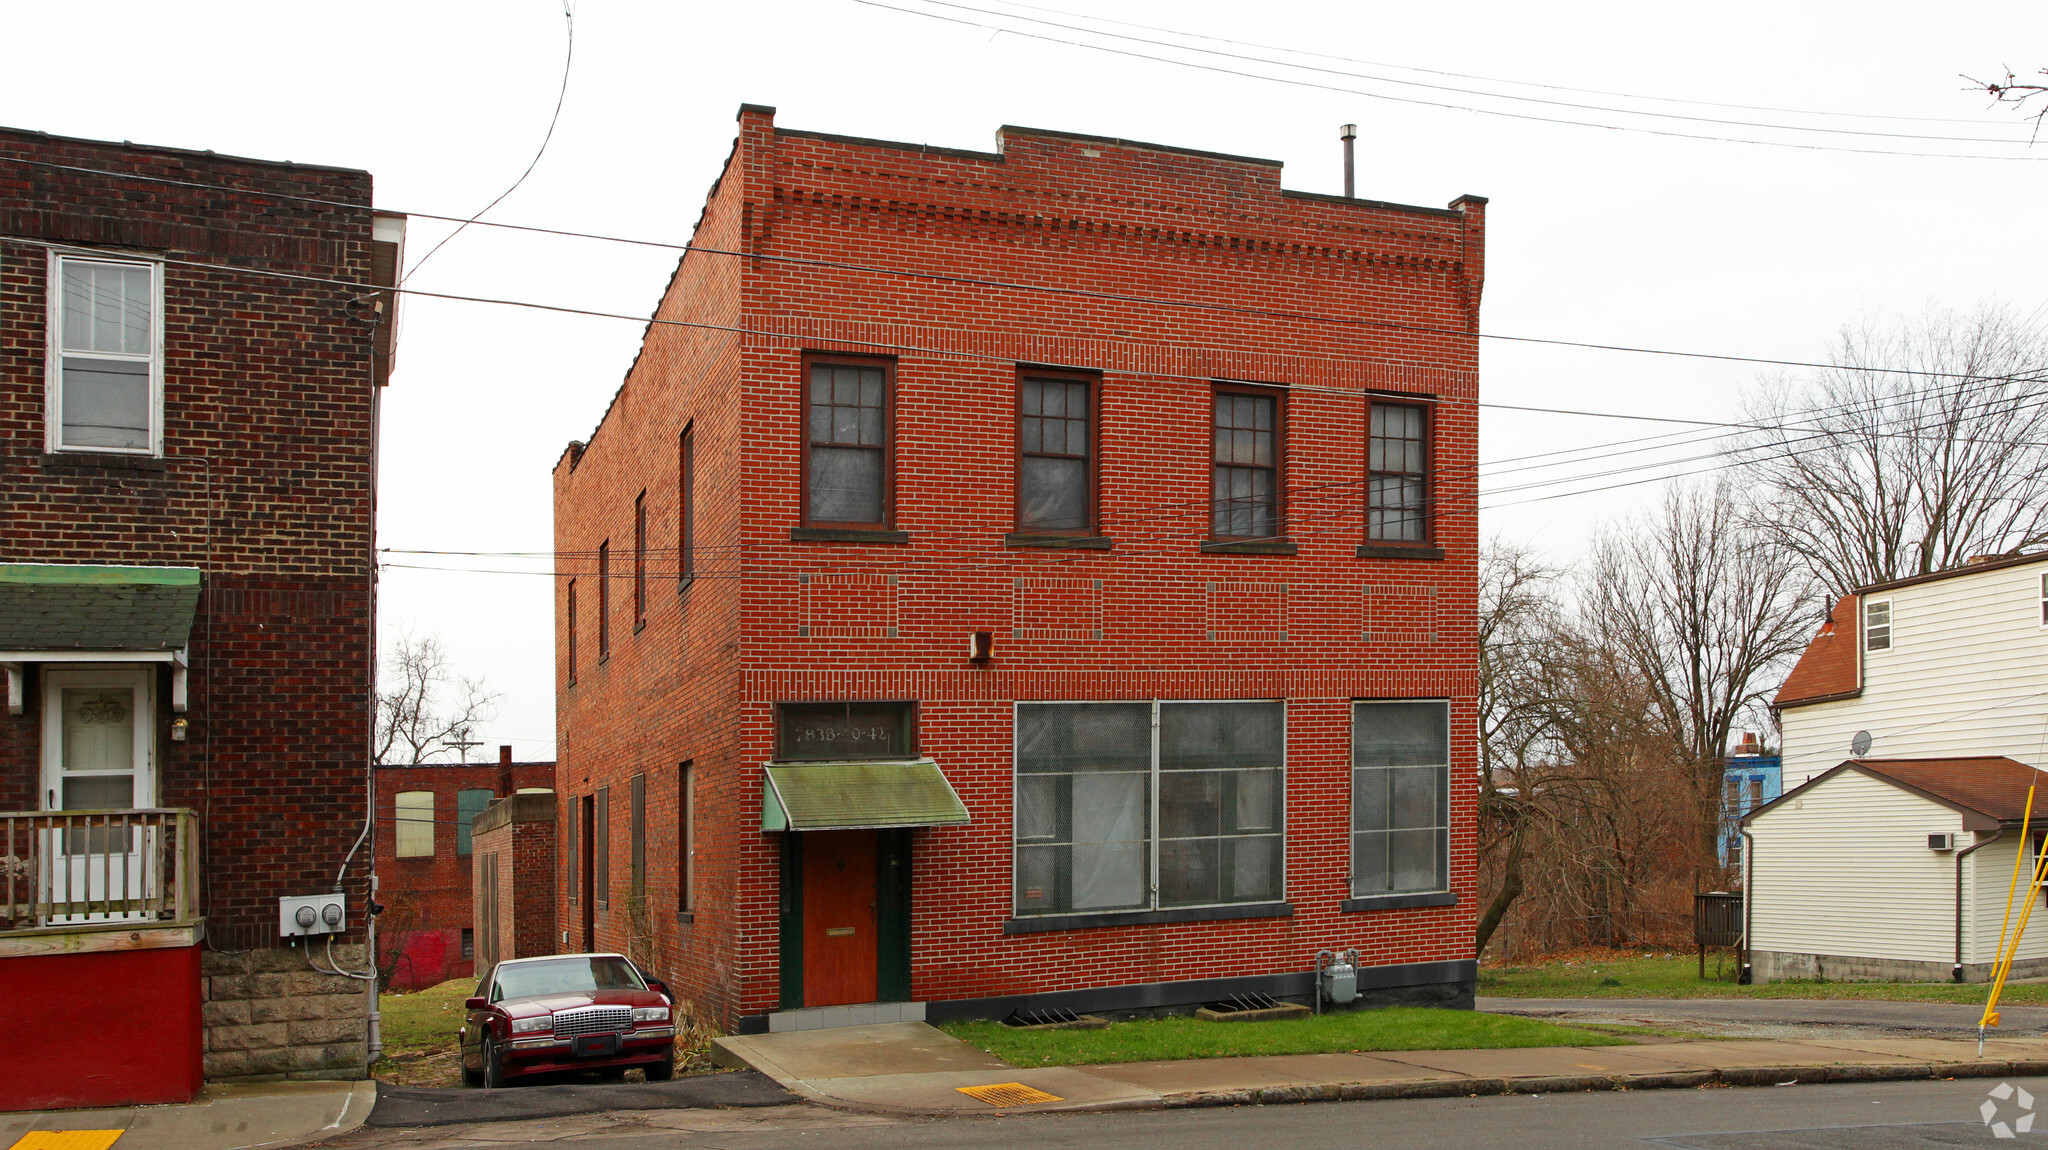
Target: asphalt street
<point>1865,1116</point>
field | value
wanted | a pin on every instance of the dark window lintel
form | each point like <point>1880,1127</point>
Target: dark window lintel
<point>1075,542</point>
<point>1400,551</point>
<point>1398,901</point>
<point>1248,547</point>
<point>847,535</point>
<point>1039,924</point>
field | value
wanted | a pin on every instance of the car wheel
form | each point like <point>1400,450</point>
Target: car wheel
<point>493,1074</point>
<point>662,1070</point>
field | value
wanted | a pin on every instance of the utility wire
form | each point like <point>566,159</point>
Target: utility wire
<point>568,56</point>
<point>1574,105</point>
<point>975,281</point>
<point>1527,116</point>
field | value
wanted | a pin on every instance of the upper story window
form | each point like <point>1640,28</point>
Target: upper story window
<point>831,731</point>
<point>1055,454</point>
<point>105,356</point>
<point>569,626</point>
<point>1877,625</point>
<point>686,506</point>
<point>1245,465</point>
<point>413,832</point>
<point>604,600</point>
<point>639,562</point>
<point>1397,479</point>
<point>847,460</point>
<point>469,803</point>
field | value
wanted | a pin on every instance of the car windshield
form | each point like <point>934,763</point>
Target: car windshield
<point>567,976</point>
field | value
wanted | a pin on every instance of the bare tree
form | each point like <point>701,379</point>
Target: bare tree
<point>1927,446</point>
<point>2010,90</point>
<point>425,705</point>
<point>1697,608</point>
<point>1516,712</point>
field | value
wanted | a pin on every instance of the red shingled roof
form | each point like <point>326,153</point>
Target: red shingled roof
<point>1828,669</point>
<point>1991,785</point>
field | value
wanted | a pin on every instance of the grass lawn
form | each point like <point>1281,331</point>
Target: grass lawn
<point>419,1032</point>
<point>1639,974</point>
<point>1396,1028</point>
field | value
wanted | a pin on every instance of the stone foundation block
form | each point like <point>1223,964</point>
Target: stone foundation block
<point>255,1037</point>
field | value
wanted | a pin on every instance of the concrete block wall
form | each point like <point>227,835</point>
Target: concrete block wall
<point>269,1016</point>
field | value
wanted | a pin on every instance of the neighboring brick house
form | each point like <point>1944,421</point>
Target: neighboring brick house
<point>1039,578</point>
<point>514,865</point>
<point>426,934</point>
<point>190,355</point>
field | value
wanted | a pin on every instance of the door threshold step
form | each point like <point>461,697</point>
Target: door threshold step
<point>827,1017</point>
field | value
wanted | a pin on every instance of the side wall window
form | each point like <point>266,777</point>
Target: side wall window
<point>604,600</point>
<point>686,506</point>
<point>639,832</point>
<point>639,562</point>
<point>569,624</point>
<point>686,837</point>
<point>105,364</point>
<point>1400,797</point>
<point>572,833</point>
<point>847,461</point>
<point>414,827</point>
<point>1877,625</point>
<point>601,848</point>
<point>1245,471</point>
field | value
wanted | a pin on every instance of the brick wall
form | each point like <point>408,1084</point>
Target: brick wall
<point>514,867</point>
<point>1152,617</point>
<point>427,903</point>
<point>265,485</point>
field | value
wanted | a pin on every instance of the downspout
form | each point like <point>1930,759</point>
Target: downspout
<point>1748,899</point>
<point>1956,972</point>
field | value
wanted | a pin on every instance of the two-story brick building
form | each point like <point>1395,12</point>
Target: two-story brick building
<point>191,346</point>
<point>1027,579</point>
<point>425,814</point>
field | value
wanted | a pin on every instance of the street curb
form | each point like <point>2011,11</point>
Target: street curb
<point>1735,1076</point>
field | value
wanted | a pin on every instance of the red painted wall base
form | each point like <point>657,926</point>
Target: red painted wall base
<point>112,1028</point>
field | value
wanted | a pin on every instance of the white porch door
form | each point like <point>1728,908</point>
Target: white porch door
<point>99,753</point>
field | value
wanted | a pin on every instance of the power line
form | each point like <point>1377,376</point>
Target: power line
<point>952,4</point>
<point>1497,79</point>
<point>976,281</point>
<point>1527,116</point>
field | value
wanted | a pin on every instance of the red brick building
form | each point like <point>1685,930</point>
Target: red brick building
<point>191,347</point>
<point>514,864</point>
<point>1026,579</point>
<point>424,849</point>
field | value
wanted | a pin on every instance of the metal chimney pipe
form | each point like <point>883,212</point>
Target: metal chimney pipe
<point>1350,133</point>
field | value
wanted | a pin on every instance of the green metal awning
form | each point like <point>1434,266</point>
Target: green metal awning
<point>858,796</point>
<point>70,607</point>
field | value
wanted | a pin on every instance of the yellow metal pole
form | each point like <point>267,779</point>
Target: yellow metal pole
<point>2003,962</point>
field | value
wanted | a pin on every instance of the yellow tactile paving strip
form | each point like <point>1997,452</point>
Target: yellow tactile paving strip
<point>999,1094</point>
<point>66,1140</point>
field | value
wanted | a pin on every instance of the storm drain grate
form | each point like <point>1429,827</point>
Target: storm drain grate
<point>1008,1094</point>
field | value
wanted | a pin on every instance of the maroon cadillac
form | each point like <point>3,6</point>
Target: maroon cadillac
<point>535,1016</point>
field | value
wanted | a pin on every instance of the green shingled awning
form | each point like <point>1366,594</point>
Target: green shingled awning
<point>858,796</point>
<point>68,607</point>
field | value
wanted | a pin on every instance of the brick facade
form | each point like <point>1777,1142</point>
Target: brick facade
<point>514,864</point>
<point>427,898</point>
<point>265,483</point>
<point>1100,231</point>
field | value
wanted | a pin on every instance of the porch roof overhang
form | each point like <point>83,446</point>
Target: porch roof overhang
<point>75,613</point>
<point>838,796</point>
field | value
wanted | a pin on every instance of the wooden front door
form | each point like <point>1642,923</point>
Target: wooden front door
<point>839,917</point>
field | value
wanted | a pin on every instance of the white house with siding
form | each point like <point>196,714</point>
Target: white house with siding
<point>1912,728</point>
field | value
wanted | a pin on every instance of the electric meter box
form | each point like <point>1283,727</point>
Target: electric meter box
<point>299,916</point>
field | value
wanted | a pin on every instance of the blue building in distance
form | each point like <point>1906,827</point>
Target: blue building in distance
<point>1748,780</point>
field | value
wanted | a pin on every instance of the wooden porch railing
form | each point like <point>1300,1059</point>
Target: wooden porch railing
<point>117,868</point>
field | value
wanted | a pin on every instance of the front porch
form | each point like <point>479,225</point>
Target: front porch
<point>99,950</point>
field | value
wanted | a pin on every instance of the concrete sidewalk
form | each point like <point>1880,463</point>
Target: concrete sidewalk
<point>912,1068</point>
<point>271,1114</point>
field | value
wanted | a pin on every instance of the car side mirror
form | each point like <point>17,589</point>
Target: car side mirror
<point>474,1003</point>
<point>659,987</point>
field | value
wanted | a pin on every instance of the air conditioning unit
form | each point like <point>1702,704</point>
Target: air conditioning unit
<point>1941,842</point>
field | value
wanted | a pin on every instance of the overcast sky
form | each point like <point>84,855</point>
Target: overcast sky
<point>1596,234</point>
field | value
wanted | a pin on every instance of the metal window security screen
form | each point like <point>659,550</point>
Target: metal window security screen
<point>1400,797</point>
<point>1110,794</point>
<point>107,354</point>
<point>848,444</point>
<point>1247,454</point>
<point>1397,460</point>
<point>1877,625</point>
<point>468,805</point>
<point>1053,452</point>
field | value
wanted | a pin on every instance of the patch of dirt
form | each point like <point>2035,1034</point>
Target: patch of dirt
<point>420,1067</point>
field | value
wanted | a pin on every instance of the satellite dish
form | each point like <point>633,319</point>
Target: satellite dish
<point>1859,745</point>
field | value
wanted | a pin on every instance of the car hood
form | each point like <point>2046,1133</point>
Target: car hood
<point>529,1005</point>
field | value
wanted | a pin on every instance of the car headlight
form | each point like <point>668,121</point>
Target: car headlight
<point>529,1025</point>
<point>650,1014</point>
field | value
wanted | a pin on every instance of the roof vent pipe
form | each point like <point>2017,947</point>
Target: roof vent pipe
<point>1350,133</point>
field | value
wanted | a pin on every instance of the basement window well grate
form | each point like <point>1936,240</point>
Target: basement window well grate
<point>1052,1018</point>
<point>1250,1007</point>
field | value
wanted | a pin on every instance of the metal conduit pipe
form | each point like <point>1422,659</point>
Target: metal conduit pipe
<point>1746,977</point>
<point>1956,972</point>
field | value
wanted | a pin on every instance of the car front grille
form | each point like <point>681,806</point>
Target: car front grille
<point>593,1020</point>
